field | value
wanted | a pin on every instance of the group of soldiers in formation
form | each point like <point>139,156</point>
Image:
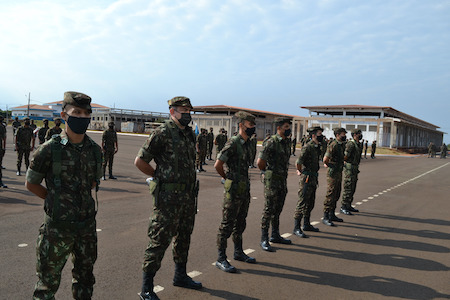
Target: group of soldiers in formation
<point>72,164</point>
<point>432,149</point>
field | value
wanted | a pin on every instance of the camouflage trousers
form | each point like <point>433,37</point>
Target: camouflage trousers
<point>108,159</point>
<point>334,186</point>
<point>306,196</point>
<point>171,221</point>
<point>54,245</point>
<point>21,154</point>
<point>2,154</point>
<point>236,202</point>
<point>350,180</point>
<point>200,158</point>
<point>210,148</point>
<point>275,192</point>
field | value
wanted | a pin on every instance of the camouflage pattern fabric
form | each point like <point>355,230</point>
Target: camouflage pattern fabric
<point>210,140</point>
<point>236,191</point>
<point>309,159</point>
<point>335,151</point>
<point>2,150</point>
<point>294,145</point>
<point>109,138</point>
<point>41,134</point>
<point>24,135</point>
<point>52,131</point>
<point>253,145</point>
<point>69,226</point>
<point>15,125</point>
<point>173,150</point>
<point>353,151</point>
<point>201,145</point>
<point>221,140</point>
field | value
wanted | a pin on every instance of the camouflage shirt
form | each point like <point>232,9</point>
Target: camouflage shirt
<point>309,158</point>
<point>41,134</point>
<point>52,131</point>
<point>353,152</point>
<point>210,137</point>
<point>173,150</point>
<point>109,139</point>
<point>236,157</point>
<point>202,141</point>
<point>335,151</point>
<point>16,124</point>
<point>2,135</point>
<point>80,168</point>
<point>276,152</point>
<point>221,140</point>
<point>24,135</point>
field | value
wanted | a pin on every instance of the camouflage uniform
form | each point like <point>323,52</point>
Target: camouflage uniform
<point>221,140</point>
<point>335,152</point>
<point>374,148</point>
<point>16,124</point>
<point>210,140</point>
<point>42,132</point>
<point>52,131</point>
<point>69,226</point>
<point>253,146</point>
<point>174,191</point>
<point>353,151</point>
<point>201,146</point>
<point>294,145</point>
<point>24,136</point>
<point>443,151</point>
<point>2,150</point>
<point>109,139</point>
<point>276,153</point>
<point>309,158</point>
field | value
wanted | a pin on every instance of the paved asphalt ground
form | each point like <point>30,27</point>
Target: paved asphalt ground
<point>397,247</point>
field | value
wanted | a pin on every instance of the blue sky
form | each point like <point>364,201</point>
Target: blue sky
<point>265,54</point>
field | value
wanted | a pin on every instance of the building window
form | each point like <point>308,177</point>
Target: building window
<point>349,127</point>
<point>372,128</point>
<point>362,127</point>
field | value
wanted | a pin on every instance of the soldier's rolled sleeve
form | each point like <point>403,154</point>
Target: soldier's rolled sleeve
<point>301,157</point>
<point>265,152</point>
<point>34,177</point>
<point>348,149</point>
<point>150,148</point>
<point>39,165</point>
<point>226,151</point>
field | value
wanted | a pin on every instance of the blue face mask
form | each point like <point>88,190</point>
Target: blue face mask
<point>78,125</point>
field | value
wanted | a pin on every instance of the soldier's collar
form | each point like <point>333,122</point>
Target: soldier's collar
<point>279,137</point>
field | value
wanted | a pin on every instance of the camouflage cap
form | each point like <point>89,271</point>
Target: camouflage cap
<point>243,115</point>
<point>57,119</point>
<point>282,120</point>
<point>111,123</point>
<point>26,119</point>
<point>77,99</point>
<point>180,101</point>
<point>339,131</point>
<point>356,131</point>
<point>314,129</point>
<point>45,120</point>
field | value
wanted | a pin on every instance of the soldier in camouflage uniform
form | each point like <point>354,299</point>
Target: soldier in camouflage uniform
<point>443,151</point>
<point>273,162</point>
<point>352,158</point>
<point>54,130</point>
<point>24,136</point>
<point>308,170</point>
<point>253,146</point>
<point>70,163</point>
<point>237,191</point>
<point>210,141</point>
<point>2,148</point>
<point>334,161</point>
<point>374,148</point>
<point>175,189</point>
<point>43,131</point>
<point>201,147</point>
<point>220,141</point>
<point>294,145</point>
<point>109,147</point>
<point>16,124</point>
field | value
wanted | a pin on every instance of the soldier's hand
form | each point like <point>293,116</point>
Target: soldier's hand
<point>116,150</point>
<point>299,173</point>
<point>326,166</point>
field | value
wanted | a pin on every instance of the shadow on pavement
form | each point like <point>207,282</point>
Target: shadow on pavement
<point>225,294</point>
<point>8,200</point>
<point>408,219</point>
<point>387,287</point>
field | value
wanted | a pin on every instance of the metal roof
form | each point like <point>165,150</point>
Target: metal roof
<point>229,108</point>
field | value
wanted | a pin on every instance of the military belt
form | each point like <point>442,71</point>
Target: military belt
<point>72,225</point>
<point>180,187</point>
<point>308,173</point>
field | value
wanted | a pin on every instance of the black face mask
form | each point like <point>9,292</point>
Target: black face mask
<point>78,125</point>
<point>287,132</point>
<point>360,137</point>
<point>250,131</point>
<point>27,123</point>
<point>185,119</point>
<point>320,138</point>
<point>343,138</point>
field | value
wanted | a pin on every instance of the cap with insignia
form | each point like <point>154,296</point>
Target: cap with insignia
<point>180,101</point>
<point>282,120</point>
<point>77,99</point>
<point>111,123</point>
<point>26,119</point>
<point>339,131</point>
<point>314,129</point>
<point>243,115</point>
<point>356,131</point>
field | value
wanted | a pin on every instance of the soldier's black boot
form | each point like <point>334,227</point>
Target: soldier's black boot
<point>111,176</point>
<point>277,238</point>
<point>1,183</point>
<point>326,219</point>
<point>334,218</point>
<point>297,227</point>
<point>147,292</point>
<point>265,245</point>
<point>307,225</point>
<point>104,176</point>
<point>182,279</point>
<point>240,255</point>
<point>345,210</point>
<point>18,171</point>
<point>223,264</point>
<point>352,209</point>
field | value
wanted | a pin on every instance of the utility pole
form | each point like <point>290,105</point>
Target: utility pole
<point>28,108</point>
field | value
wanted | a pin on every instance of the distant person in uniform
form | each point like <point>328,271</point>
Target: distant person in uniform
<point>220,141</point>
<point>174,187</point>
<point>2,148</point>
<point>443,151</point>
<point>24,144</point>
<point>352,158</point>
<point>210,140</point>
<point>43,131</point>
<point>32,125</point>
<point>294,145</point>
<point>109,147</point>
<point>253,147</point>
<point>201,147</point>
<point>366,145</point>
<point>70,164</point>
<point>16,124</point>
<point>236,200</point>
<point>54,130</point>
<point>374,148</point>
<point>273,162</point>
<point>308,170</point>
<point>334,161</point>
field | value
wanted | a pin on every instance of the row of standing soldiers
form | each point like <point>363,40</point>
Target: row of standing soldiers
<point>432,149</point>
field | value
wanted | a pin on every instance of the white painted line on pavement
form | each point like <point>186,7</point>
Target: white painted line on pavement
<point>370,198</point>
<point>376,195</point>
<point>315,223</point>
<point>365,200</point>
<point>98,230</point>
<point>380,193</point>
<point>358,203</point>
<point>286,235</point>
<point>385,191</point>
<point>22,245</point>
<point>248,251</point>
<point>158,289</point>
<point>254,198</point>
<point>194,274</point>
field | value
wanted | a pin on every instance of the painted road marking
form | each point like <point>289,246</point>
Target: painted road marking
<point>365,200</point>
<point>194,274</point>
<point>286,235</point>
<point>98,230</point>
<point>370,198</point>
<point>22,245</point>
<point>248,251</point>
<point>358,203</point>
<point>254,198</point>
<point>380,193</point>
<point>315,223</point>
<point>376,195</point>
<point>158,289</point>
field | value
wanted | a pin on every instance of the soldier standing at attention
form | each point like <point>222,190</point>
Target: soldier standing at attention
<point>210,140</point>
<point>273,162</point>
<point>3,147</point>
<point>443,151</point>
<point>308,170</point>
<point>334,161</point>
<point>253,145</point>
<point>220,141</point>
<point>237,191</point>
<point>109,147</point>
<point>32,125</point>
<point>43,131</point>
<point>366,145</point>
<point>374,148</point>
<point>54,130</point>
<point>16,124</point>
<point>174,187</point>
<point>294,145</point>
<point>352,158</point>
<point>70,163</point>
<point>201,150</point>
<point>24,136</point>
